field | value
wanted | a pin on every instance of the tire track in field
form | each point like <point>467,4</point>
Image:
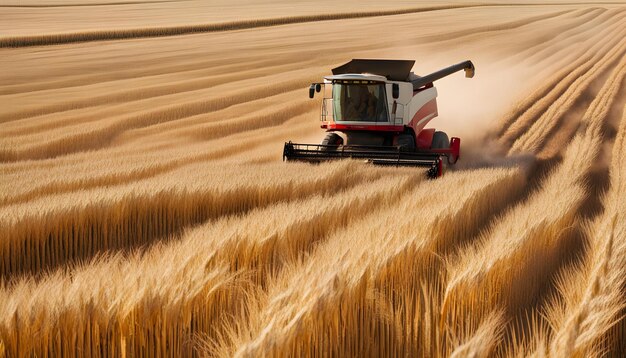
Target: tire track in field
<point>526,112</point>
<point>107,35</point>
<point>77,226</point>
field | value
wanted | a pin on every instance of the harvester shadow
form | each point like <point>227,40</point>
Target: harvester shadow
<point>531,314</point>
<point>598,179</point>
<point>568,252</point>
<point>535,170</point>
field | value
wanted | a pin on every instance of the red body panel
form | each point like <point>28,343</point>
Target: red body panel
<point>425,139</point>
<point>427,109</point>
<point>332,126</point>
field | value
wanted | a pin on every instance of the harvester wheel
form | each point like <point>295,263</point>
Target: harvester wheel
<point>406,142</point>
<point>440,141</point>
<point>332,139</point>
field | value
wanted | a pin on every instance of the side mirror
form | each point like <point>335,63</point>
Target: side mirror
<point>395,90</point>
<point>312,91</point>
<point>318,88</point>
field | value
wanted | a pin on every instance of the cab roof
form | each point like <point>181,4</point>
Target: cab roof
<point>357,76</point>
<point>393,70</point>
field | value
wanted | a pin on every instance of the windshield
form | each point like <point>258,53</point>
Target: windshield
<point>359,102</point>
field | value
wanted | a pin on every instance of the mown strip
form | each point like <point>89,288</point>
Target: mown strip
<point>106,35</point>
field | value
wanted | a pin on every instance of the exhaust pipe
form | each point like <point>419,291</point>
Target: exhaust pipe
<point>468,66</point>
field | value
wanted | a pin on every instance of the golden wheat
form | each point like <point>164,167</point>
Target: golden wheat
<point>72,227</point>
<point>144,210</point>
<point>485,277</point>
<point>197,279</point>
<point>332,285</point>
<point>593,295</point>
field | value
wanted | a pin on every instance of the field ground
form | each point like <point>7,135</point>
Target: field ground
<point>145,209</point>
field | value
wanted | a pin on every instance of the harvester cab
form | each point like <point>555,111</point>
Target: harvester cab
<point>377,110</point>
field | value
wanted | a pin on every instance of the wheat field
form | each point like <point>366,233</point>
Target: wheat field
<point>145,209</point>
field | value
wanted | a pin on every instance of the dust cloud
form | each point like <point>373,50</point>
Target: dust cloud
<point>471,108</point>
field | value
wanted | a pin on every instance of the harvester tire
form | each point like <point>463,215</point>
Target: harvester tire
<point>332,139</point>
<point>406,142</point>
<point>440,141</point>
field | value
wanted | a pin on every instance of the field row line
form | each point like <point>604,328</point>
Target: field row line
<point>487,276</point>
<point>551,45</point>
<point>212,271</point>
<point>63,141</point>
<point>79,225</point>
<point>331,293</point>
<point>112,34</point>
<point>195,84</point>
<point>122,96</point>
<point>39,185</point>
<point>592,296</point>
<point>535,136</point>
<point>537,104</point>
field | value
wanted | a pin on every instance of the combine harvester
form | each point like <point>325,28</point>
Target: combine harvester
<point>380,108</point>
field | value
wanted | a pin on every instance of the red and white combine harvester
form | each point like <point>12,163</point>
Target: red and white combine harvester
<point>376,110</point>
